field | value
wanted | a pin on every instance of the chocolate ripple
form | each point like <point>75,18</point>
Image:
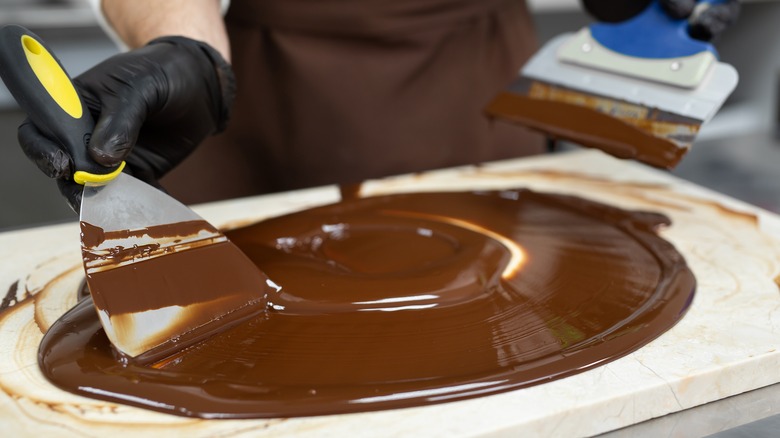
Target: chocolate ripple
<point>405,300</point>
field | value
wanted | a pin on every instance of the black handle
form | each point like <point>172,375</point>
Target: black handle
<point>45,92</point>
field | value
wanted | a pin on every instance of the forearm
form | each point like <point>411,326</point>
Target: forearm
<point>139,21</point>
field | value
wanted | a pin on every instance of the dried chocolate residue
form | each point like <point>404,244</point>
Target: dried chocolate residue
<point>586,127</point>
<point>83,291</point>
<point>350,191</point>
<point>10,298</point>
<point>92,236</point>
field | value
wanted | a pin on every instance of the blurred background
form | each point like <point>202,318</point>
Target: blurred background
<point>737,153</point>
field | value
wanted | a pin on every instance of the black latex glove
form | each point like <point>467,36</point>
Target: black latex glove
<point>158,102</point>
<point>705,21</point>
<point>614,11</point>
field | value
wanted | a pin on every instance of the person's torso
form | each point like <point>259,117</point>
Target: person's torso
<point>357,17</point>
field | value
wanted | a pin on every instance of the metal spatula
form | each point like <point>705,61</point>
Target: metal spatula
<point>161,277</point>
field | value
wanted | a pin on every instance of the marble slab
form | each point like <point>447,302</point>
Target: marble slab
<point>726,344</point>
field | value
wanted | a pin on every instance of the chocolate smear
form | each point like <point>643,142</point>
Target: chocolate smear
<point>406,300</point>
<point>647,141</point>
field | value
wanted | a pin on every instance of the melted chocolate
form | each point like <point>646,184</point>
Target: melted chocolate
<point>589,128</point>
<point>183,285</point>
<point>406,300</point>
<point>92,236</point>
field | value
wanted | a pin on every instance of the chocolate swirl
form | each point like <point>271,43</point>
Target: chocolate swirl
<point>405,300</point>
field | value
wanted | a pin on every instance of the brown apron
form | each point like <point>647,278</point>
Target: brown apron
<point>336,91</point>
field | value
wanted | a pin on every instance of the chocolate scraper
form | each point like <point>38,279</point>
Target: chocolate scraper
<point>650,82</point>
<point>160,276</point>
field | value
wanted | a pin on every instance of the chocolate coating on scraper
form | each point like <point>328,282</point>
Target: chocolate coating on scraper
<point>162,288</point>
<point>407,300</point>
<point>589,128</point>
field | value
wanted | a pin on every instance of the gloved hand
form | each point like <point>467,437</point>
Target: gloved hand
<point>614,11</point>
<point>706,21</point>
<point>153,106</point>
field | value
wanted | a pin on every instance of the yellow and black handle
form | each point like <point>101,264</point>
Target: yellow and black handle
<point>43,89</point>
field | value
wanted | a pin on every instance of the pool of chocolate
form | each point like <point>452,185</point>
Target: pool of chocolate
<point>406,300</point>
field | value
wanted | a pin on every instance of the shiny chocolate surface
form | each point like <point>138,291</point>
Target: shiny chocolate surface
<point>406,300</point>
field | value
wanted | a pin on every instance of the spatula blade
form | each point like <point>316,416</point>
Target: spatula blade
<point>161,277</point>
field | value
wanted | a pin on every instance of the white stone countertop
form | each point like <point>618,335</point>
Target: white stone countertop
<point>726,344</point>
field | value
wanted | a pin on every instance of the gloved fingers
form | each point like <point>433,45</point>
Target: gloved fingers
<point>121,93</point>
<point>50,158</point>
<point>113,138</point>
<point>158,102</point>
<point>614,11</point>
<point>709,21</point>
<point>705,21</point>
<point>678,8</point>
<point>72,193</point>
<point>117,128</point>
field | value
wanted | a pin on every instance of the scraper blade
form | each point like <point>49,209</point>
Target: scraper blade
<point>161,277</point>
<point>638,89</point>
